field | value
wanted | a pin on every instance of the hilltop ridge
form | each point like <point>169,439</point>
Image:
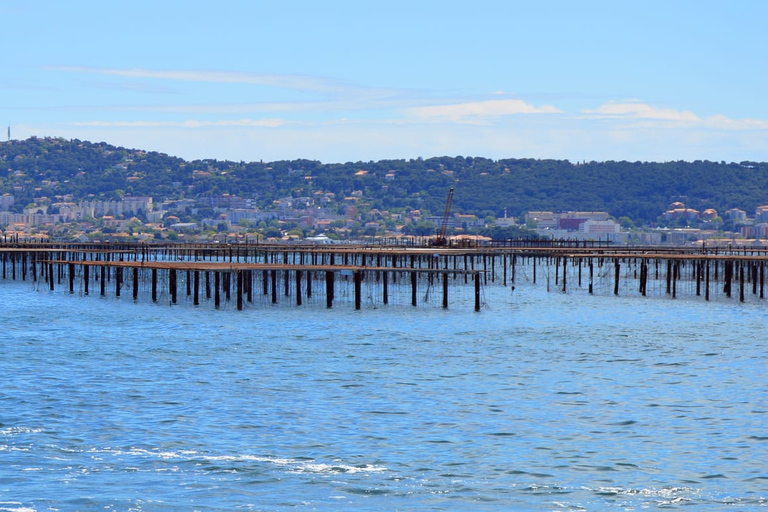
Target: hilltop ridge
<point>59,169</point>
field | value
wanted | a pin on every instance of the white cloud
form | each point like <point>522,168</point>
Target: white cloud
<point>635,110</point>
<point>478,111</point>
<point>650,116</point>
<point>725,123</point>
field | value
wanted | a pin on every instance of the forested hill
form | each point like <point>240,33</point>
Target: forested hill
<point>74,170</point>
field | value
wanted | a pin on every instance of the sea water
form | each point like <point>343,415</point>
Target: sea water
<point>542,401</point>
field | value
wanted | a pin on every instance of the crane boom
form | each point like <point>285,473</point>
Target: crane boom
<point>441,240</point>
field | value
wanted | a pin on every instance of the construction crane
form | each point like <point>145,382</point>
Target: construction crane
<point>440,239</point>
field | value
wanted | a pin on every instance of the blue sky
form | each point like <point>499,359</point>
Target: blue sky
<point>340,81</point>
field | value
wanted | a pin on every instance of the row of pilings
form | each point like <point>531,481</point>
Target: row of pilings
<point>252,274</point>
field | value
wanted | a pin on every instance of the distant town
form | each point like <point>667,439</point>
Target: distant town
<point>53,189</point>
<point>296,219</point>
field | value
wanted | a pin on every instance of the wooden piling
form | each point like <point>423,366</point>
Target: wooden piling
<point>154,285</point>
<point>384,285</point>
<point>216,290</point>
<point>274,286</point>
<point>445,290</point>
<point>328,289</point>
<point>477,291</point>
<point>239,289</point>
<point>173,285</point>
<point>298,287</point>
<point>741,283</point>
<point>358,289</point>
<point>196,289</point>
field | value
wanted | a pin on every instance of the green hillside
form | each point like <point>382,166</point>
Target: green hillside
<point>73,170</point>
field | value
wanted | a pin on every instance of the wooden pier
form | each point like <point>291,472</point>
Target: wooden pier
<point>246,275</point>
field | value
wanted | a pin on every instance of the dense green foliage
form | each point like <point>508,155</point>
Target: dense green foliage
<point>75,170</point>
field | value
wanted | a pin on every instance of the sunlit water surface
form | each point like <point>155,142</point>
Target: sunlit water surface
<point>542,401</point>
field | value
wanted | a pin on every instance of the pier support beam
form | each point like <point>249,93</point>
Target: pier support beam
<point>445,289</point>
<point>477,292</point>
<point>328,289</point>
<point>239,289</point>
<point>298,287</point>
<point>154,285</point>
<point>358,289</point>
<point>172,280</point>
<point>196,289</point>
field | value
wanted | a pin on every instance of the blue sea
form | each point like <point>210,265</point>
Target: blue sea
<point>542,401</point>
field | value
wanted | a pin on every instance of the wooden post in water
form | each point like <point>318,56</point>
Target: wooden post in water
<point>413,289</point>
<point>477,292</point>
<point>102,282</point>
<point>591,274</point>
<point>505,270</point>
<point>135,283</point>
<point>274,286</point>
<point>675,271</point>
<point>239,288</point>
<point>172,280</point>
<point>216,289</point>
<point>154,285</point>
<point>196,294</point>
<point>697,266</point>
<point>753,267</point>
<point>71,271</point>
<point>328,289</point>
<point>384,284</point>
<point>298,287</point>
<point>358,289</point>
<point>741,283</point>
<point>86,271</point>
<point>706,281</point>
<point>118,280</point>
<point>565,271</point>
<point>617,269</point>
<point>445,290</point>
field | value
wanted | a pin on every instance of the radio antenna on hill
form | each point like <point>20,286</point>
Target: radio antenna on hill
<point>9,131</point>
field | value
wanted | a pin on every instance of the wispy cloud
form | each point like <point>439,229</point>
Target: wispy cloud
<point>294,82</point>
<point>634,110</point>
<point>477,112</point>
<point>191,123</point>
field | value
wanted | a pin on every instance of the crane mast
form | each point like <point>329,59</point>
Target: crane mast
<point>440,240</point>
